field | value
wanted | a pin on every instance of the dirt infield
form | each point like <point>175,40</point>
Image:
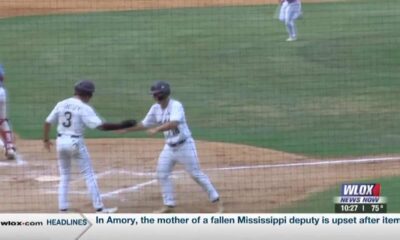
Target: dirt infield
<point>43,7</point>
<point>249,179</point>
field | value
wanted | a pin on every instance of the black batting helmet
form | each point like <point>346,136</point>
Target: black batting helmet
<point>161,89</point>
<point>85,87</point>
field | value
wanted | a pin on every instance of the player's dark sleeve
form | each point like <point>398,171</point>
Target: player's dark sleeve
<point>117,126</point>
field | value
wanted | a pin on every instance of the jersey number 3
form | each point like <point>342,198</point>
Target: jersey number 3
<point>67,123</point>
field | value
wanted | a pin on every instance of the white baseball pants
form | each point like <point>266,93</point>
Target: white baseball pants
<point>288,14</point>
<point>74,149</point>
<point>6,137</point>
<point>186,155</point>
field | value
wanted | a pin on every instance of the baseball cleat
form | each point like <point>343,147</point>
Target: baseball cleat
<point>64,210</point>
<point>291,39</point>
<point>165,209</point>
<point>11,154</point>
<point>107,210</point>
<point>219,204</point>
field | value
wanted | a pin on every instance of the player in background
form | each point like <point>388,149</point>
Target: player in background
<point>72,116</point>
<point>7,136</point>
<point>289,12</point>
<point>167,115</point>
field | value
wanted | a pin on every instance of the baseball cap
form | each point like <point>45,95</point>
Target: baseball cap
<point>160,87</point>
<point>85,86</point>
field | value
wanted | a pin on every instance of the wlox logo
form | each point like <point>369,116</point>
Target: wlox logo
<point>360,193</point>
<point>361,190</point>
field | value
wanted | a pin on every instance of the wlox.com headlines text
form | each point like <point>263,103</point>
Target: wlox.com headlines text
<point>20,223</point>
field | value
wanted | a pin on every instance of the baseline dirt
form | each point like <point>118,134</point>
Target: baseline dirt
<point>125,170</point>
<point>125,167</point>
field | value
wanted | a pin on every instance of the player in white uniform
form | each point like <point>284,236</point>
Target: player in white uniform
<point>168,116</point>
<point>72,115</point>
<point>5,130</point>
<point>290,11</point>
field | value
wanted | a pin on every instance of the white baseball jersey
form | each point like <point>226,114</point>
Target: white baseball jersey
<point>72,116</point>
<point>173,112</point>
<point>180,147</point>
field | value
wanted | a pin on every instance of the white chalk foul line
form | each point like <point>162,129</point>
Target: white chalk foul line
<point>137,187</point>
<point>125,172</point>
<point>288,165</point>
<point>283,165</point>
<point>326,162</point>
<point>117,171</point>
<point>70,192</point>
<point>134,188</point>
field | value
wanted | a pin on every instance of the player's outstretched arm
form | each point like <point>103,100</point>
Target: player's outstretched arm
<point>137,127</point>
<point>117,126</point>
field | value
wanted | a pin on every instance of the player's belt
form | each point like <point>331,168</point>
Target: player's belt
<point>73,136</point>
<point>177,143</point>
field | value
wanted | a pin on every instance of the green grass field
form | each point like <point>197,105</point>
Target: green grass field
<point>332,93</point>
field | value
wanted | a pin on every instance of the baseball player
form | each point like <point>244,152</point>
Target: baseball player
<point>72,115</point>
<point>167,115</point>
<point>5,130</point>
<point>290,11</point>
